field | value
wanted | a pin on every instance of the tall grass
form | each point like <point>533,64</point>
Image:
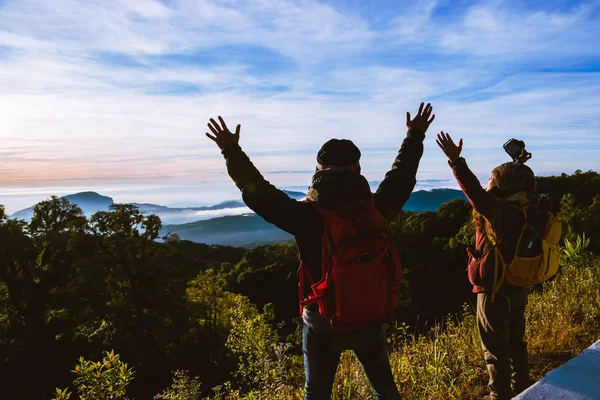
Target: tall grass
<point>563,318</point>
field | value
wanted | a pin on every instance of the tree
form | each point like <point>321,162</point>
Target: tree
<point>572,215</point>
<point>129,252</point>
<point>269,274</point>
<point>455,214</point>
<point>215,310</point>
<point>37,261</point>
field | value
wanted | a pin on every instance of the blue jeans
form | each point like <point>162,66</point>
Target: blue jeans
<point>322,352</point>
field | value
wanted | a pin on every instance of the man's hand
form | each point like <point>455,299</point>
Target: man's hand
<point>222,137</point>
<point>451,150</point>
<point>421,121</point>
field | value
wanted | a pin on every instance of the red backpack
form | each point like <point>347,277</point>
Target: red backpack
<point>360,268</point>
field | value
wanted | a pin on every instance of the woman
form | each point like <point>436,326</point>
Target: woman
<point>498,220</point>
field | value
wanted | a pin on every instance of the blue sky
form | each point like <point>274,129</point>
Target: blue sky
<point>114,95</point>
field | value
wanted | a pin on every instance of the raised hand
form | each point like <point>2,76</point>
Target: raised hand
<point>222,136</point>
<point>421,121</point>
<point>447,145</point>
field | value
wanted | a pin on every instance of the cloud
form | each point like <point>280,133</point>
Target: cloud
<point>493,30</point>
<point>120,91</point>
<point>182,217</point>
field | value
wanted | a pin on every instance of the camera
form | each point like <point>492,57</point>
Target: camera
<point>516,150</point>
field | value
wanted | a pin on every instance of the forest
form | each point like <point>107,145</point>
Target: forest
<point>106,306</point>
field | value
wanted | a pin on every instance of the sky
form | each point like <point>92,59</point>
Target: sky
<point>114,95</point>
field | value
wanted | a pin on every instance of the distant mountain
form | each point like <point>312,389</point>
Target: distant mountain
<point>295,195</point>
<point>249,230</point>
<point>155,208</point>
<point>430,200</point>
<point>184,215</point>
<point>231,222</point>
<point>89,202</point>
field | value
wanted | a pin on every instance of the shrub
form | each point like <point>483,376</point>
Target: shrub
<point>447,362</point>
<point>103,380</point>
<point>183,388</point>
<point>576,252</point>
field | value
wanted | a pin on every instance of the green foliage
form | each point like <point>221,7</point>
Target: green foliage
<point>576,252</point>
<point>183,388</point>
<point>101,380</point>
<point>583,185</point>
<point>214,309</point>
<point>432,250</point>
<point>565,316</point>
<point>62,394</point>
<point>56,215</point>
<point>251,338</point>
<point>572,215</point>
<point>447,362</point>
<point>464,238</point>
<point>454,213</point>
<point>71,287</point>
<point>269,274</point>
<point>213,304</point>
<point>576,201</point>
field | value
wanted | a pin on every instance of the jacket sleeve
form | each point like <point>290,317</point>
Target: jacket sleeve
<point>270,203</point>
<point>480,199</point>
<point>400,180</point>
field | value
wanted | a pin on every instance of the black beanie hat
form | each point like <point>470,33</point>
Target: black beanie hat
<point>339,153</point>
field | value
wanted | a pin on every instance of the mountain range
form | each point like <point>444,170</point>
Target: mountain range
<point>92,202</point>
<point>230,222</point>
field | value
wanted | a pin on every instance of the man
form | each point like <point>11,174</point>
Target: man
<point>337,181</point>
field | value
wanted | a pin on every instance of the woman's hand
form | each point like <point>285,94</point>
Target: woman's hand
<point>447,145</point>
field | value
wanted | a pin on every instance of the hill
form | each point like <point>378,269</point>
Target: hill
<point>92,202</point>
<point>250,230</point>
<point>89,202</point>
<point>430,200</point>
<point>247,230</point>
<point>230,222</point>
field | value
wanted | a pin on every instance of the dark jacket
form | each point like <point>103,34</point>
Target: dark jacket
<point>505,219</point>
<point>301,219</point>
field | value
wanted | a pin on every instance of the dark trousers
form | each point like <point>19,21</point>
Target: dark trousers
<point>502,330</point>
<point>322,353</point>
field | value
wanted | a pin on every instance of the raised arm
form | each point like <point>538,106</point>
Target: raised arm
<point>481,200</point>
<point>399,182</point>
<point>272,204</point>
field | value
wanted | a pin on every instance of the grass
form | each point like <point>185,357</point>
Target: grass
<point>563,318</point>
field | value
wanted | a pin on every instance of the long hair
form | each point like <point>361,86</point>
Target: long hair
<point>477,219</point>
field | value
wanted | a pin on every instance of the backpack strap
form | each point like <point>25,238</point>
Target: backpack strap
<point>525,226</point>
<point>301,279</point>
<point>498,281</point>
<point>498,258</point>
<point>328,240</point>
<point>303,275</point>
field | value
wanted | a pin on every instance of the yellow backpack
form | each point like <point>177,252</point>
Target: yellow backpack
<point>537,254</point>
